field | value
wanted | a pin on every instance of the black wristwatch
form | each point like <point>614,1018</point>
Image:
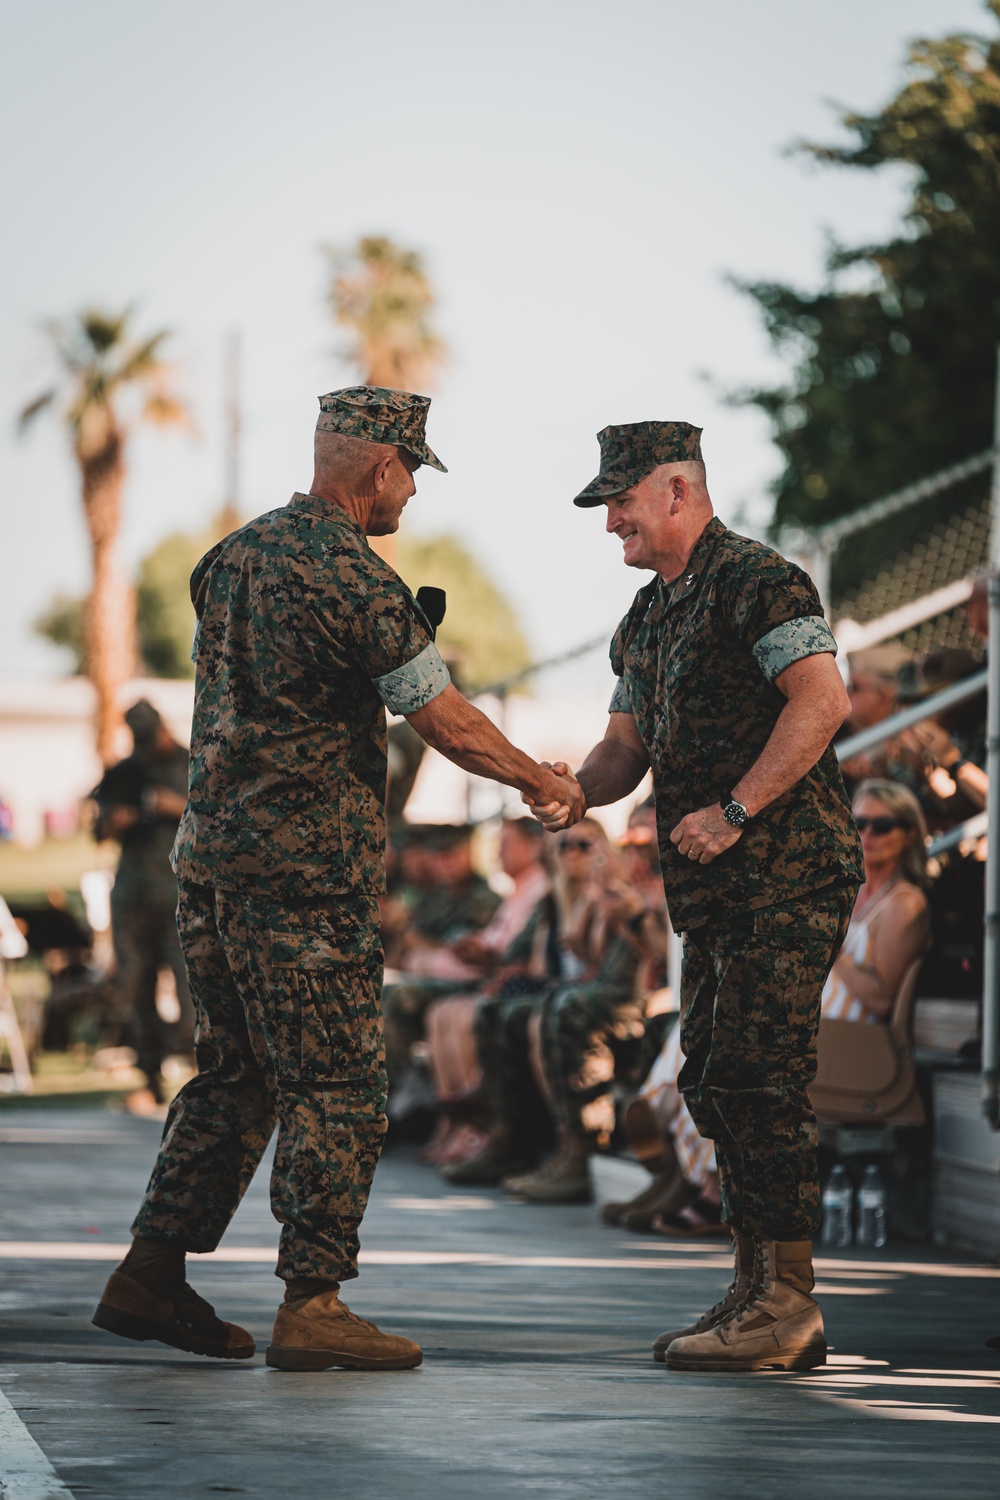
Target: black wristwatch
<point>734,812</point>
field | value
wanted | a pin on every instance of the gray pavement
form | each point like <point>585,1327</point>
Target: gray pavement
<point>535,1322</point>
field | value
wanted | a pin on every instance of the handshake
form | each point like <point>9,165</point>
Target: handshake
<point>560,801</point>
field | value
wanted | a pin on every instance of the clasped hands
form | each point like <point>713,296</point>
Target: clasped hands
<point>700,836</point>
<point>567,806</point>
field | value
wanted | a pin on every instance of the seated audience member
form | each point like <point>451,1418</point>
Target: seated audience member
<point>939,758</point>
<point>873,690</point>
<point>495,957</point>
<point>683,1197</point>
<point>408,876</point>
<point>890,924</point>
<point>952,744</point>
<point>455,900</point>
<point>584,1029</point>
<point>461,957</point>
<point>500,1013</point>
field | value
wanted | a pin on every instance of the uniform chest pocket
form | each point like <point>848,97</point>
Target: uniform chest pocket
<point>326,989</point>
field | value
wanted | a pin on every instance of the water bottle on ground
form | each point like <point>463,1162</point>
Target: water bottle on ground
<point>871,1209</point>
<point>838,1196</point>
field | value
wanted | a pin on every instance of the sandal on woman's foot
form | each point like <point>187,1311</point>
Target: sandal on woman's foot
<point>701,1217</point>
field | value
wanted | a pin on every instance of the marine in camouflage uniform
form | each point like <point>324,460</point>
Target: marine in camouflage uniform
<point>763,901</point>
<point>144,896</point>
<point>304,637</point>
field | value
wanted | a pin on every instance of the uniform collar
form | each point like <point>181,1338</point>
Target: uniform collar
<point>312,505</point>
<point>688,581</point>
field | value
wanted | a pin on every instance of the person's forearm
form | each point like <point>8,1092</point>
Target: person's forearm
<point>866,985</point>
<point>456,729</point>
<point>610,772</point>
<point>972,780</point>
<point>798,739</point>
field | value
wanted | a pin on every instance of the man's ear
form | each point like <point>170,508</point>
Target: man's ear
<point>679,491</point>
<point>381,473</point>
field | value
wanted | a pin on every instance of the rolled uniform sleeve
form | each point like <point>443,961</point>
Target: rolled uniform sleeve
<point>776,612</point>
<point>619,699</point>
<point>808,635</point>
<point>414,684</point>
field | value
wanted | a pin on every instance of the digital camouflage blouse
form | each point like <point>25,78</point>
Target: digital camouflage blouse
<point>697,659</point>
<point>304,637</point>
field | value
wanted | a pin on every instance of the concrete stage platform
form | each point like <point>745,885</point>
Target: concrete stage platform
<point>536,1324</point>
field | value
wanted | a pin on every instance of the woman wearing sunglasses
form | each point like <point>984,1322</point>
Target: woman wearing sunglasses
<point>890,925</point>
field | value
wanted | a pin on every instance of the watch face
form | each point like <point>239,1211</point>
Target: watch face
<point>735,813</point>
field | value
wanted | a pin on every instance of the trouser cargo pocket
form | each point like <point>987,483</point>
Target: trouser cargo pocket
<point>326,1005</point>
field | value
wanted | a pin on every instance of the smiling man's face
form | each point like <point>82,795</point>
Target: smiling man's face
<point>641,519</point>
<point>659,519</point>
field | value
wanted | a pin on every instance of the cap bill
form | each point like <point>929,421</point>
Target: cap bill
<point>425,455</point>
<point>611,482</point>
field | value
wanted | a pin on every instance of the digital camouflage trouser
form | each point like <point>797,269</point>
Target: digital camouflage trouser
<point>289,1030</point>
<point>750,1002</point>
<point>145,939</point>
<point>500,1027</point>
<point>586,1031</point>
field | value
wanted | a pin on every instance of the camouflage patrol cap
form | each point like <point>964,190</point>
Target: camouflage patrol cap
<point>377,415</point>
<point>441,838</point>
<point>635,449</point>
<point>143,720</point>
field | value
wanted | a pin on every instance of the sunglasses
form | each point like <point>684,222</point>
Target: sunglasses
<point>878,825</point>
<point>582,844</point>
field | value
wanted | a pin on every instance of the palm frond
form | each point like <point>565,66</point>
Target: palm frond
<point>165,410</point>
<point>141,360</point>
<point>102,330</point>
<point>27,413</point>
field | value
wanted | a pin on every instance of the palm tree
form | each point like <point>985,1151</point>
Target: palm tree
<point>380,292</point>
<point>108,380</point>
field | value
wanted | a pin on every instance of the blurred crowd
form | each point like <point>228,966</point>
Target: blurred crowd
<point>529,1012</point>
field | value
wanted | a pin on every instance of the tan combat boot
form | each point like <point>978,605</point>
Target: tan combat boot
<point>148,1297</point>
<point>315,1331</point>
<point>563,1178</point>
<point>739,1290</point>
<point>778,1327</point>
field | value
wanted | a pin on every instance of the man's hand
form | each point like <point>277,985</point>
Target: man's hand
<point>164,802</point>
<point>568,805</point>
<point>117,820</point>
<point>471,951</point>
<point>704,834</point>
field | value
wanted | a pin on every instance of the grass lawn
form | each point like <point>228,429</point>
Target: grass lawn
<point>55,864</point>
<point>70,1079</point>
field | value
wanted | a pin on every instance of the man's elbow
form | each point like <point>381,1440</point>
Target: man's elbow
<point>839,708</point>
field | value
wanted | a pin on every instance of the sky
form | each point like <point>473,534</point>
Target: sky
<point>582,180</point>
